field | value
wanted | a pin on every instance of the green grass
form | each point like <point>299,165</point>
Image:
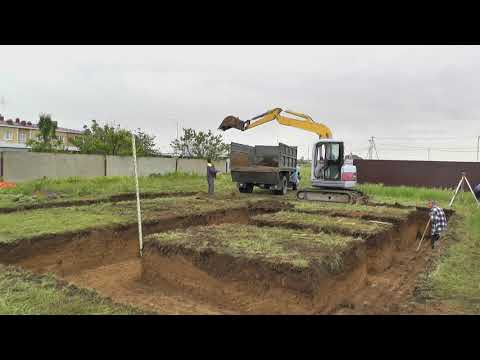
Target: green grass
<point>27,224</point>
<point>456,274</point>
<point>378,211</point>
<point>23,293</point>
<point>299,248</point>
<point>454,278</point>
<point>350,226</point>
<point>48,190</point>
<point>409,195</point>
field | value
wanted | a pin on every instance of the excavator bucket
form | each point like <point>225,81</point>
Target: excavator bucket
<point>232,122</point>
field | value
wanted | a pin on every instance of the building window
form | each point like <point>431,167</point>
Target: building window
<point>8,135</point>
<point>60,137</point>
<point>21,137</point>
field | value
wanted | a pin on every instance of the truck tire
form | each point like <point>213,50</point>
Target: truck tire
<point>247,188</point>
<point>284,189</point>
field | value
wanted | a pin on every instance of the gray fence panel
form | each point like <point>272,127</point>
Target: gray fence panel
<point>152,165</point>
<point>24,166</point>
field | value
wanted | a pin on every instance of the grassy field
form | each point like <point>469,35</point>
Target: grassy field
<point>27,224</point>
<point>24,293</point>
<point>332,208</point>
<point>455,277</point>
<point>50,190</point>
<point>350,226</point>
<point>299,248</point>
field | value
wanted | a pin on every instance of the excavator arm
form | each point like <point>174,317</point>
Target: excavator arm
<point>305,122</point>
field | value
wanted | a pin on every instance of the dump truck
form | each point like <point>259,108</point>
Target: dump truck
<point>268,167</point>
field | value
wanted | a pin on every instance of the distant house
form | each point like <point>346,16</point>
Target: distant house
<point>15,133</point>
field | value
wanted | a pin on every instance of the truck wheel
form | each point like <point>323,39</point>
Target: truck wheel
<point>246,188</point>
<point>284,189</point>
<point>284,185</point>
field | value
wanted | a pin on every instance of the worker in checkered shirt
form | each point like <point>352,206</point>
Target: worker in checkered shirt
<point>438,221</point>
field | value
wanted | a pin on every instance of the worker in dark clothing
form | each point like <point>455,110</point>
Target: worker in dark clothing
<point>477,191</point>
<point>438,221</point>
<point>211,175</point>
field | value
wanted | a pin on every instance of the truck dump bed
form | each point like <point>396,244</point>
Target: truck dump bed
<point>261,164</point>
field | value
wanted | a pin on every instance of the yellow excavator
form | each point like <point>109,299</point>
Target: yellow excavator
<point>332,179</point>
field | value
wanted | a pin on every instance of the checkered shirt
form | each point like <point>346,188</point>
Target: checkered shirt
<point>439,220</point>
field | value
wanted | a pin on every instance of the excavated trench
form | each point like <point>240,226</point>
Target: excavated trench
<point>380,271</point>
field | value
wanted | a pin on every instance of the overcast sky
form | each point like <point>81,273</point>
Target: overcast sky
<point>415,96</point>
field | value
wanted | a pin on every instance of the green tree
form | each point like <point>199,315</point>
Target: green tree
<point>113,140</point>
<point>47,140</point>
<point>200,144</point>
<point>145,144</point>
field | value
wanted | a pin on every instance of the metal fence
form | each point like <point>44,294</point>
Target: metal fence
<point>438,174</point>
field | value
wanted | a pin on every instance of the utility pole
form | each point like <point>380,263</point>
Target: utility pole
<point>429,154</point>
<point>478,145</point>
<point>371,148</point>
<point>375,147</point>
<point>3,103</point>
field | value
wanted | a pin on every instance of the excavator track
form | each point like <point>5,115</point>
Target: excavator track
<point>345,196</point>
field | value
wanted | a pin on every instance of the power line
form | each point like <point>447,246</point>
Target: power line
<point>402,146</point>
<point>423,149</point>
<point>478,146</point>
<point>425,138</point>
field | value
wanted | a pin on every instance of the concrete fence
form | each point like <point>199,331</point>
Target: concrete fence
<point>24,166</point>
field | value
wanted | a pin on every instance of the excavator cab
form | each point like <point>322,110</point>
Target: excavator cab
<point>328,160</point>
<point>329,168</point>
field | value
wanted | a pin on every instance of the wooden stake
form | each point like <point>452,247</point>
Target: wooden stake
<point>424,232</point>
<point>139,214</point>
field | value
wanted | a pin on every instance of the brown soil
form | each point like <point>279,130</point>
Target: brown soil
<point>392,291</point>
<point>250,285</point>
<point>380,278</point>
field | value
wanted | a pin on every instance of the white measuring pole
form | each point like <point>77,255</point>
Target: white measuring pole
<point>139,214</point>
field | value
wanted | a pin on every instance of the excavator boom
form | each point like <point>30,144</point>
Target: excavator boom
<point>305,122</point>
